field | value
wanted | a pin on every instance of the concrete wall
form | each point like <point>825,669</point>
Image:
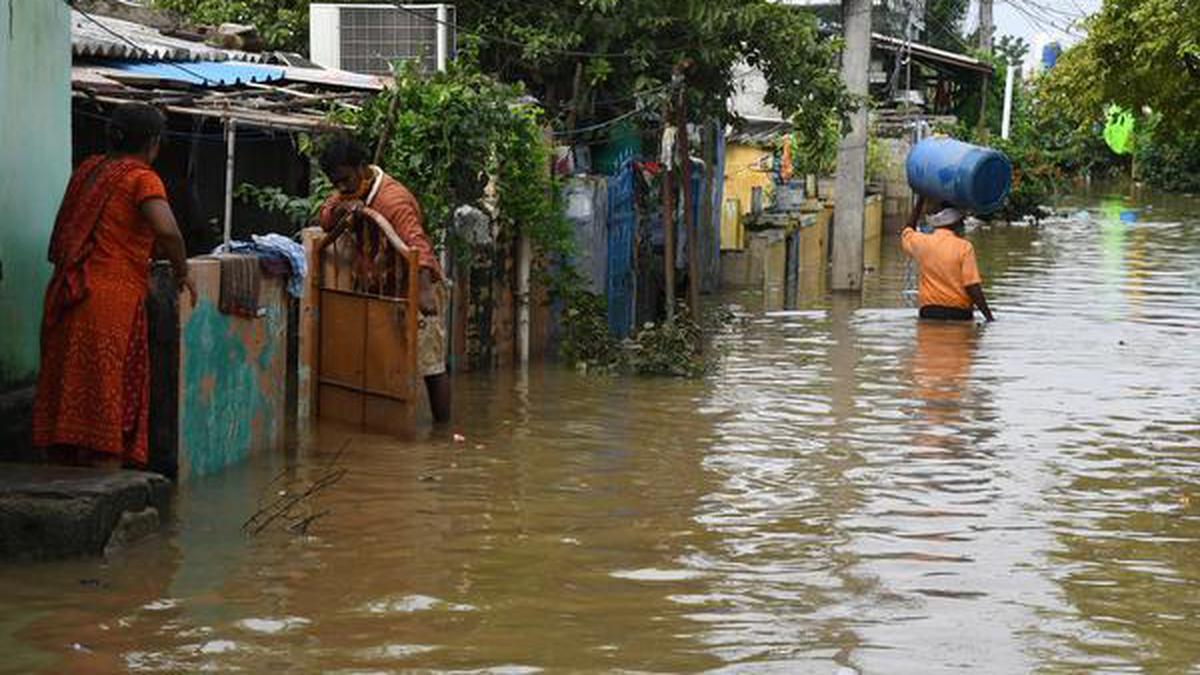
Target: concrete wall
<point>232,376</point>
<point>35,162</point>
<point>897,196</point>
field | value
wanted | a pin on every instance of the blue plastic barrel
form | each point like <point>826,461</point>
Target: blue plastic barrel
<point>965,175</point>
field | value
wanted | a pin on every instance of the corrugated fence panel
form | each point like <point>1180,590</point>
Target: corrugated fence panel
<point>586,202</point>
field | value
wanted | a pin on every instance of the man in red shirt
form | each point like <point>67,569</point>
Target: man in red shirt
<point>950,286</point>
<point>364,189</point>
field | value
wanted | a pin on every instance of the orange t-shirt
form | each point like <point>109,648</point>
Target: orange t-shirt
<point>947,264</point>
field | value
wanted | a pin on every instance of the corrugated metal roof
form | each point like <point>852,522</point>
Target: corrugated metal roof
<point>137,42</point>
<point>203,73</point>
<point>759,134</point>
<point>335,78</point>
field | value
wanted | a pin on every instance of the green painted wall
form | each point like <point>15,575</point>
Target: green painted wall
<point>35,162</point>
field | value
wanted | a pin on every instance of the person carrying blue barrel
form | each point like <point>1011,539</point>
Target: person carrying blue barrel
<point>958,176</point>
<point>950,286</point>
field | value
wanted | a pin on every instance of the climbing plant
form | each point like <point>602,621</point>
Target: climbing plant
<point>448,134</point>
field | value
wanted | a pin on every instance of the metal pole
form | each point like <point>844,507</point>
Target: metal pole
<point>442,38</point>
<point>230,137</point>
<point>852,153</point>
<point>1006,120</point>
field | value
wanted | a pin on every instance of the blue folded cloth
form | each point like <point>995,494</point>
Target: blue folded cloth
<point>279,247</point>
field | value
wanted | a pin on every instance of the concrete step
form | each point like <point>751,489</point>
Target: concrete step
<point>49,512</point>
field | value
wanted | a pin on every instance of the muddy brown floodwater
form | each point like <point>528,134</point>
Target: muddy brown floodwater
<point>851,492</point>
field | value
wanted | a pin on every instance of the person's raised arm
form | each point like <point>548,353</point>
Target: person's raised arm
<point>169,240</point>
<point>918,210</point>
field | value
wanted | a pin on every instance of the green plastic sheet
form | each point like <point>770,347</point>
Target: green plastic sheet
<point>1118,129</point>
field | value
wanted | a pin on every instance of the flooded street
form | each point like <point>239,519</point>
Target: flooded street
<point>852,491</point>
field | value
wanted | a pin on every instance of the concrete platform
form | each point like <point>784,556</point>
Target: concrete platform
<point>49,512</point>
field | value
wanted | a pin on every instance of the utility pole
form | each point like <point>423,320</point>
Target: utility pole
<point>852,153</point>
<point>986,28</point>
<point>986,25</point>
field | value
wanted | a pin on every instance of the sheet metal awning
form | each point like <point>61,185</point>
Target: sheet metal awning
<point>926,53</point>
<point>200,73</point>
<point>330,77</point>
<point>276,105</point>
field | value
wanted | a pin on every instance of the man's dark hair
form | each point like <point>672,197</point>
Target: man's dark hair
<point>341,150</point>
<point>133,127</point>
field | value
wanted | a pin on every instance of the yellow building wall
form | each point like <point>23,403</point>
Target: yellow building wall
<point>746,167</point>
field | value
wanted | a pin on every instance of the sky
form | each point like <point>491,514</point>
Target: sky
<point>1012,17</point>
<point>1038,21</point>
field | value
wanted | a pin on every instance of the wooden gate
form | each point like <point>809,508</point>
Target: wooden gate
<point>367,334</point>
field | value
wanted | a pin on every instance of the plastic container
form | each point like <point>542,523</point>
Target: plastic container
<point>967,176</point>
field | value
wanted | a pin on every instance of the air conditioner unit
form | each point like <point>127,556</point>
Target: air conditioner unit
<point>369,38</point>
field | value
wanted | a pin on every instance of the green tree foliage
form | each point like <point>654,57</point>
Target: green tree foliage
<point>1172,165</point>
<point>447,136</point>
<point>1013,50</point>
<point>1137,53</point>
<point>449,133</point>
<point>1143,55</point>
<point>586,59</point>
<point>944,24</point>
<point>283,24</point>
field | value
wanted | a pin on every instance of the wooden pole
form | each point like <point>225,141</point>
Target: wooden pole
<point>707,207</point>
<point>668,220</point>
<point>388,124</point>
<point>689,211</point>
<point>981,129</point>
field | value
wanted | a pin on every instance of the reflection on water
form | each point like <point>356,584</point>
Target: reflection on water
<point>854,491</point>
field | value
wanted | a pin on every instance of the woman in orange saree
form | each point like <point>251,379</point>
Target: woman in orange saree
<point>92,399</point>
